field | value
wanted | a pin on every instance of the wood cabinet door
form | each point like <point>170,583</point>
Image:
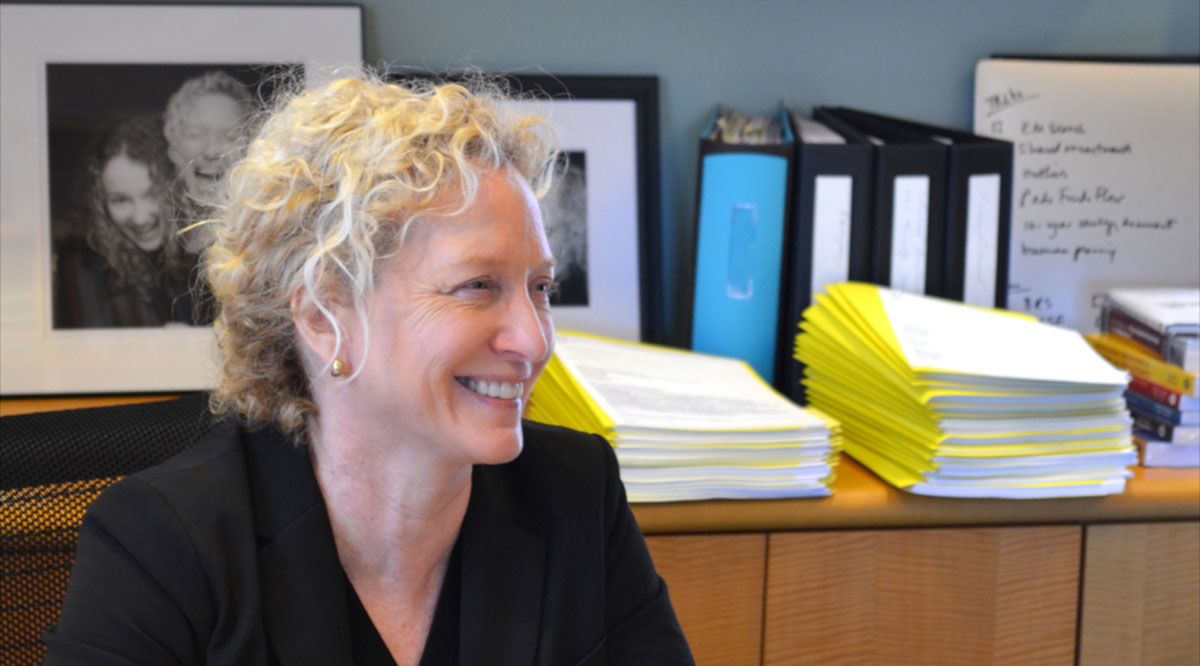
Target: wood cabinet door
<point>716,586</point>
<point>1141,594</point>
<point>995,595</point>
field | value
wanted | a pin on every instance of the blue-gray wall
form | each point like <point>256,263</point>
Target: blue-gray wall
<point>911,58</point>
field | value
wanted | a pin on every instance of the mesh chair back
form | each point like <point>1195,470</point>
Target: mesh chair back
<point>52,465</point>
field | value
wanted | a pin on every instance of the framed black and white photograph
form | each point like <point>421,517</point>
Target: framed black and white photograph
<point>136,153</point>
<point>115,142</point>
<point>602,214</point>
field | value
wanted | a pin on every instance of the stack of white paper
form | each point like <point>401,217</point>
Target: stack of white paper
<point>941,398</point>
<point>686,426</point>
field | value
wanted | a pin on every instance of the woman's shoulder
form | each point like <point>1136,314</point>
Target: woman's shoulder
<point>169,553</point>
<point>220,447</point>
<point>201,483</point>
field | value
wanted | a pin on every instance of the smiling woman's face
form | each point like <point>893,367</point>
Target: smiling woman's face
<point>133,201</point>
<point>460,328</point>
<point>204,147</point>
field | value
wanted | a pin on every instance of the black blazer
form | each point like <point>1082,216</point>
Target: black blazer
<point>224,555</point>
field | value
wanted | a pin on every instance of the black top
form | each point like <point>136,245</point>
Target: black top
<point>225,555</point>
<point>441,646</point>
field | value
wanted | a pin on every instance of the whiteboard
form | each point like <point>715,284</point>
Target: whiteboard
<point>1106,178</point>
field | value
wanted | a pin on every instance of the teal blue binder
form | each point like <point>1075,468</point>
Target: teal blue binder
<point>742,211</point>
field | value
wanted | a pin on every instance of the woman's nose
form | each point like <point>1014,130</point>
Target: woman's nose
<point>526,330</point>
<point>146,212</point>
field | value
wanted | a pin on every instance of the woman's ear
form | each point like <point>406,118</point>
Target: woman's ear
<point>318,333</point>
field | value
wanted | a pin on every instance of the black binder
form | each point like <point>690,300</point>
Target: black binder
<point>830,231</point>
<point>979,174</point>
<point>910,193</point>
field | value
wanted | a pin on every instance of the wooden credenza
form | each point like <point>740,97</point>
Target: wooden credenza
<point>873,575</point>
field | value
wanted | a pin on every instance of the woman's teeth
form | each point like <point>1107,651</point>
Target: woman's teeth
<point>502,390</point>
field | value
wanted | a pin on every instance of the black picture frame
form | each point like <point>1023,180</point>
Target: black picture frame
<point>564,94</point>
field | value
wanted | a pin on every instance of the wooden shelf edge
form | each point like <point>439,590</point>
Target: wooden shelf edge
<point>862,500</point>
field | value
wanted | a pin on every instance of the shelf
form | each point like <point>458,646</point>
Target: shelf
<point>862,500</point>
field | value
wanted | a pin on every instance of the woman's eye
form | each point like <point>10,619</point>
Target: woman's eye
<point>476,285</point>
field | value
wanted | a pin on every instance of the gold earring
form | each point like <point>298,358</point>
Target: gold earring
<point>337,369</point>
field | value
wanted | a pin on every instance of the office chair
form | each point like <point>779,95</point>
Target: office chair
<point>52,465</point>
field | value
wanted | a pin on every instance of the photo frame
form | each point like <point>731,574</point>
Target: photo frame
<point>67,88</point>
<point>602,216</point>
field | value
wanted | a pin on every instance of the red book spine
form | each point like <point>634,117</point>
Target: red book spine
<point>1154,391</point>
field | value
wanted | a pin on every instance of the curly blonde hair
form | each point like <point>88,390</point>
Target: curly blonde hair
<point>325,191</point>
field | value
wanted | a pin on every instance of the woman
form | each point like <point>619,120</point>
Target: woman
<point>383,278</point>
<point>132,271</point>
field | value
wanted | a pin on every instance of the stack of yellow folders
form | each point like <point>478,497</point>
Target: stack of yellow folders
<point>686,426</point>
<point>941,398</point>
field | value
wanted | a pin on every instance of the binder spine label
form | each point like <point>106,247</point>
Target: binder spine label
<point>743,232</point>
<point>910,231</point>
<point>831,230</point>
<point>983,228</point>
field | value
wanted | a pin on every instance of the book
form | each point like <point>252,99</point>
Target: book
<point>1115,320</point>
<point>1040,414</point>
<point>1144,364</point>
<point>1164,395</point>
<point>830,230</point>
<point>1157,453</point>
<point>1165,321</point>
<point>741,213</point>
<point>685,425</point>
<point>1165,430</point>
<point>1184,351</point>
<point>1158,410</point>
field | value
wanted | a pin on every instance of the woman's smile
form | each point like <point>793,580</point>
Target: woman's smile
<point>493,389</point>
